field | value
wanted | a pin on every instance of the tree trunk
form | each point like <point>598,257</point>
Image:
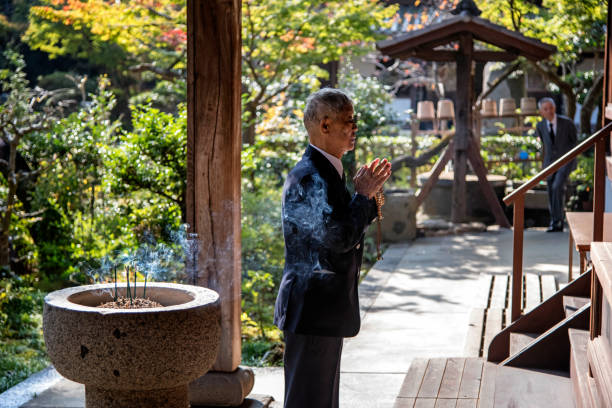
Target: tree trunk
<point>591,100</point>
<point>248,133</point>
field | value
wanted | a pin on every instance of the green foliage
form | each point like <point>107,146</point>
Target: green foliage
<point>285,43</point>
<point>113,35</point>
<point>569,25</point>
<point>258,295</point>
<point>21,343</point>
<point>18,302</point>
<point>152,157</point>
<point>261,353</point>
<point>371,101</point>
<point>505,152</point>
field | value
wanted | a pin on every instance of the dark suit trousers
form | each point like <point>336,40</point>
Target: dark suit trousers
<point>312,371</point>
<point>556,194</point>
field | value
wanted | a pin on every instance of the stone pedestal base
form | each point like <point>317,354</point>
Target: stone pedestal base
<point>167,398</point>
<point>221,389</point>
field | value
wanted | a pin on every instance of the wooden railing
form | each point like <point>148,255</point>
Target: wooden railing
<point>517,197</point>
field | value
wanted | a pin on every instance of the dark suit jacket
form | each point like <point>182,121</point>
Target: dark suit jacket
<point>323,228</point>
<point>565,139</point>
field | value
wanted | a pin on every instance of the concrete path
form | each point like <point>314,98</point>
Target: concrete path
<point>416,303</point>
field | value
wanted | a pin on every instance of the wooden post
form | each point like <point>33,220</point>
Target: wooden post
<point>517,257</point>
<point>599,193</point>
<point>213,183</point>
<point>463,117</point>
<point>414,128</point>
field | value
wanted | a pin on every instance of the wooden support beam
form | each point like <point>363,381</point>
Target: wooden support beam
<point>599,190</point>
<point>463,121</point>
<point>429,54</point>
<point>213,158</point>
<point>517,257</point>
<point>435,173</point>
<point>481,171</point>
<point>489,56</point>
<point>433,55</point>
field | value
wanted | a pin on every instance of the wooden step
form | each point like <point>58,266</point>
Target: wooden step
<point>540,319</point>
<point>518,341</point>
<point>504,386</point>
<point>571,304</point>
<point>584,390</point>
<point>441,382</point>
<point>551,350</point>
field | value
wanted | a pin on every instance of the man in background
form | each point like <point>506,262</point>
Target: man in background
<point>323,225</point>
<point>558,135</point>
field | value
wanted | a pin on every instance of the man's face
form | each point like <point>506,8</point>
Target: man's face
<point>547,110</point>
<point>342,128</point>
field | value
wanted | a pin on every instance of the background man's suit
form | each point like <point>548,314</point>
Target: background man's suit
<point>564,140</point>
<point>317,303</point>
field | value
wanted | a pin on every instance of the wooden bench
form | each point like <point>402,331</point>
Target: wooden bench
<point>581,235</point>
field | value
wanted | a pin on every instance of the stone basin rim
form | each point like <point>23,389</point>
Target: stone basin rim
<point>200,297</point>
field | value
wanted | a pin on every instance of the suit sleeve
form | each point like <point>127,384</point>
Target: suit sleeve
<point>307,215</point>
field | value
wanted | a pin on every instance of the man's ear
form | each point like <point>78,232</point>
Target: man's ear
<point>325,123</point>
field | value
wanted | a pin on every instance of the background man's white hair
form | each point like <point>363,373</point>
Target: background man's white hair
<point>542,101</point>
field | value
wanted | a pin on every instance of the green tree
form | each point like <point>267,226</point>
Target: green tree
<point>149,162</point>
<point>24,115</point>
<point>285,42</point>
<point>137,36</point>
<point>570,25</point>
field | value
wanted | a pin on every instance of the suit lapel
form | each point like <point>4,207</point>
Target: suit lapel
<point>328,172</point>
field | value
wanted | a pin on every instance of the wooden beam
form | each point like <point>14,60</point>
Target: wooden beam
<point>481,171</point>
<point>435,173</point>
<point>599,190</point>
<point>517,257</point>
<point>463,123</point>
<point>433,55</point>
<point>486,56</point>
<point>213,158</point>
<point>428,54</point>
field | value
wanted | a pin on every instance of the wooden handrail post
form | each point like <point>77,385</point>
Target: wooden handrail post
<point>599,193</point>
<point>517,256</point>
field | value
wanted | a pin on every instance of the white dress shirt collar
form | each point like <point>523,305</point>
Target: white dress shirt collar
<point>336,162</point>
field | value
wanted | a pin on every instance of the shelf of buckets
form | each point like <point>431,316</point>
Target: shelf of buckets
<point>446,112</point>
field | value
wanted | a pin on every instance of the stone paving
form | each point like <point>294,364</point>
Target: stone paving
<point>415,304</point>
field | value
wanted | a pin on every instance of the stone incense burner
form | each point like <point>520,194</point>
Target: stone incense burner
<point>133,357</point>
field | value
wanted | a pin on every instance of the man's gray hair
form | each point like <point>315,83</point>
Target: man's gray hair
<point>542,101</point>
<point>325,102</point>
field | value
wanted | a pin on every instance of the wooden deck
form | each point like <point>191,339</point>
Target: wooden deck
<point>492,310</point>
<point>473,383</point>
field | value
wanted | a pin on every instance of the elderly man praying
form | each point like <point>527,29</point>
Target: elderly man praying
<point>323,225</point>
